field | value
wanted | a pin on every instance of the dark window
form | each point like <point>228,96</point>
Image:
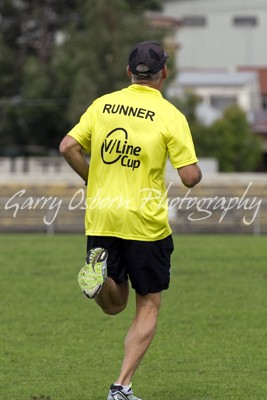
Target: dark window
<point>194,20</point>
<point>264,102</point>
<point>222,102</point>
<point>245,21</point>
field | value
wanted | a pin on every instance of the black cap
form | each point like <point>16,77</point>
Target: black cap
<point>149,53</point>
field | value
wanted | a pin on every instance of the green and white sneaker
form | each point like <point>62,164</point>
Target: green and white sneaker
<point>92,276</point>
<point>117,392</point>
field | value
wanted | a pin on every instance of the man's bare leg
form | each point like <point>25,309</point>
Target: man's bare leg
<point>140,335</point>
<point>113,296</point>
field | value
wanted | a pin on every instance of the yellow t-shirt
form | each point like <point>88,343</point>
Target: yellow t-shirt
<point>129,134</point>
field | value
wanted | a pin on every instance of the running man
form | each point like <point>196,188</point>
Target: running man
<point>129,134</point>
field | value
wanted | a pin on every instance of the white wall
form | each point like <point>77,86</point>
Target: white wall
<point>36,170</point>
<point>54,170</point>
<point>220,43</point>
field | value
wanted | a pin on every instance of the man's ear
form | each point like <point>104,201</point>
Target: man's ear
<point>129,72</point>
<point>164,72</point>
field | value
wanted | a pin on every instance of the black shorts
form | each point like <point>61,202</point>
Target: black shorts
<point>147,264</point>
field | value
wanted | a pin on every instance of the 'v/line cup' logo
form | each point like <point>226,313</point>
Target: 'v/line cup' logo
<point>116,148</point>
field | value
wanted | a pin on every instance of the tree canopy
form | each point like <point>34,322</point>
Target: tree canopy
<point>229,139</point>
<point>233,142</point>
<point>56,57</point>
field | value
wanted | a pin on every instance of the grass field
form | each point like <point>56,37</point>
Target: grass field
<point>211,341</point>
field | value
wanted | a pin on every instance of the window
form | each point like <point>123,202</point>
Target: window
<point>222,102</point>
<point>264,102</point>
<point>245,21</point>
<point>194,20</point>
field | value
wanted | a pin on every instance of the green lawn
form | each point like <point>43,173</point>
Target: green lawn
<point>211,341</point>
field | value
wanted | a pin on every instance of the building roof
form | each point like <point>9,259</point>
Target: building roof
<point>215,78</point>
<point>158,20</point>
<point>262,74</point>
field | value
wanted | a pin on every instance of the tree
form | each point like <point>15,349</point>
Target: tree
<point>234,143</point>
<point>99,64</point>
<point>56,57</point>
<point>230,139</point>
<point>31,107</point>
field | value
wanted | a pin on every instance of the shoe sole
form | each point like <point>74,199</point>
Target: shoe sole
<point>95,269</point>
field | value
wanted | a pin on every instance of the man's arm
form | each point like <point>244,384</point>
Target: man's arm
<point>72,152</point>
<point>190,175</point>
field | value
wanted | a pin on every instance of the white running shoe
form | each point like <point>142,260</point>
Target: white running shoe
<point>92,276</point>
<point>118,393</point>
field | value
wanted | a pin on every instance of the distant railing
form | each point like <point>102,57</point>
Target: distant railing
<point>35,169</point>
<point>54,169</point>
<point>204,210</point>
